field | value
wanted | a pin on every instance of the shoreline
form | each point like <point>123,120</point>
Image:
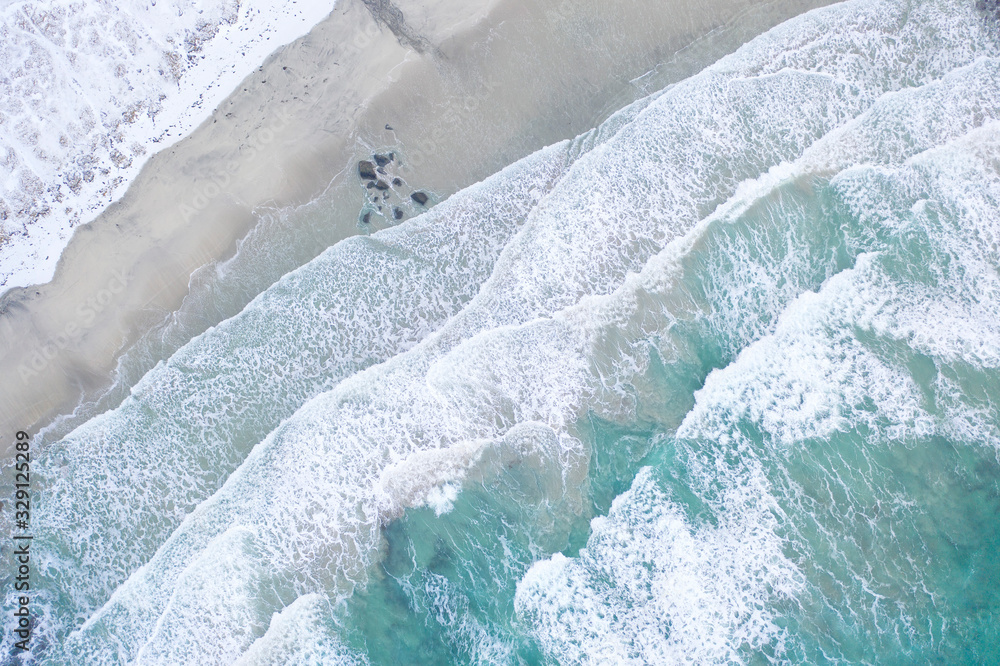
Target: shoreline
<point>459,84</point>
<point>71,150</point>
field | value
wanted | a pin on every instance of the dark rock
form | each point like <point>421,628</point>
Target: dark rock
<point>381,184</point>
<point>371,184</point>
<point>397,181</point>
<point>366,170</point>
<point>380,170</point>
<point>382,160</point>
<point>387,127</point>
<point>420,197</point>
<point>367,217</point>
<point>397,213</point>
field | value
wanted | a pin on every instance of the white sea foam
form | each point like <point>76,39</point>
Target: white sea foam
<point>198,604</point>
<point>654,587</point>
<point>199,413</point>
<point>689,149</point>
<point>298,636</point>
<point>90,89</point>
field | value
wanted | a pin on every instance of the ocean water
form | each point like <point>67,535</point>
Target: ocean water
<point>714,382</point>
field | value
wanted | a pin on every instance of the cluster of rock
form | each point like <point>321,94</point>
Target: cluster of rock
<point>383,185</point>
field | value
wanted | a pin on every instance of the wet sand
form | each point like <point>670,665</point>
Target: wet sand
<point>466,88</point>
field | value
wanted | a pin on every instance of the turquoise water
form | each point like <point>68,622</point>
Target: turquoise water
<point>715,382</point>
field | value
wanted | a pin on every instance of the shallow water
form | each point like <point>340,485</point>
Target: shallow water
<point>714,382</point>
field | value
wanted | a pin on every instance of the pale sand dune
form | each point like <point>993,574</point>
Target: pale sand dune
<point>467,86</point>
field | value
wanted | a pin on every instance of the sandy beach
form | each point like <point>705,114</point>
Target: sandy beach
<point>455,89</point>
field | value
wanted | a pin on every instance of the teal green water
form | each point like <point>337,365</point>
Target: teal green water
<point>714,383</point>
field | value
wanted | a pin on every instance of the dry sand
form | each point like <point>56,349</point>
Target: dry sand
<point>467,86</point>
